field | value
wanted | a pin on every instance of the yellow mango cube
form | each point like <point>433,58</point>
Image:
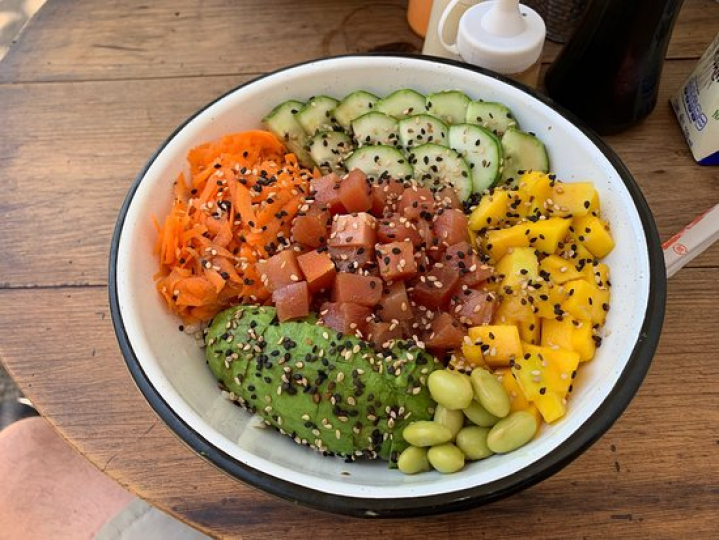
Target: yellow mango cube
<point>499,343</point>
<point>518,267</point>
<point>545,235</point>
<point>490,212</point>
<point>496,243</point>
<point>559,365</point>
<point>535,188</point>
<point>473,355</point>
<point>597,274</point>
<point>586,301</point>
<point>560,270</point>
<point>593,233</point>
<point>517,400</point>
<point>547,299</point>
<point>575,199</point>
<point>551,406</point>
<point>530,331</point>
<point>569,334</point>
<point>516,309</point>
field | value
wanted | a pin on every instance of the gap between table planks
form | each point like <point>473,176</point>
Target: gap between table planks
<point>136,40</point>
<point>81,145</point>
<point>652,476</point>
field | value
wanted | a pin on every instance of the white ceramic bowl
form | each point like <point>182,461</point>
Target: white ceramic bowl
<point>170,369</point>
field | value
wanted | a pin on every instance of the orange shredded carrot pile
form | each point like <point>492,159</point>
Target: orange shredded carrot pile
<point>237,208</point>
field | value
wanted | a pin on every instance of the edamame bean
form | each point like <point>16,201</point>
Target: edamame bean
<point>479,415</point>
<point>472,441</point>
<point>512,432</point>
<point>454,420</point>
<point>426,433</point>
<point>450,389</point>
<point>490,393</point>
<point>413,460</point>
<point>446,458</point>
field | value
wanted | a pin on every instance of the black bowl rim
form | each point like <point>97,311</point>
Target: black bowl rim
<point>594,427</point>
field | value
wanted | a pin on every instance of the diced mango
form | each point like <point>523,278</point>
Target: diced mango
<point>473,355</point>
<point>543,235</point>
<point>516,309</point>
<point>593,233</point>
<point>517,400</point>
<point>569,334</point>
<point>491,211</point>
<point>586,301</point>
<point>535,188</point>
<point>551,406</point>
<point>460,362</point>
<point>561,364</point>
<point>497,242</point>
<point>597,274</point>
<point>547,299</point>
<point>575,199</point>
<point>517,267</point>
<point>499,343</point>
<point>560,270</point>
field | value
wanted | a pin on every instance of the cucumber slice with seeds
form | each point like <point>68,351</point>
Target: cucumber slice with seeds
<point>375,128</point>
<point>282,123</point>
<point>380,161</point>
<point>316,114</point>
<point>420,129</point>
<point>437,166</point>
<point>353,106</point>
<point>522,152</point>
<point>402,103</point>
<point>329,150</point>
<point>449,106</point>
<point>493,116</point>
<point>482,150</point>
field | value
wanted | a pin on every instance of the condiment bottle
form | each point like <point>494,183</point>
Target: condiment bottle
<point>499,35</point>
<point>608,73</point>
<point>432,45</point>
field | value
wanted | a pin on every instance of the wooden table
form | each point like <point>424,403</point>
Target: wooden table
<point>93,87</point>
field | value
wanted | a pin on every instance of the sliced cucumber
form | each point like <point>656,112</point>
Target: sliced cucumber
<point>402,103</point>
<point>353,106</point>
<point>282,123</point>
<point>329,150</point>
<point>420,129</point>
<point>482,150</point>
<point>437,166</point>
<point>375,128</point>
<point>522,152</point>
<point>380,161</point>
<point>316,114</point>
<point>493,116</point>
<point>449,106</point>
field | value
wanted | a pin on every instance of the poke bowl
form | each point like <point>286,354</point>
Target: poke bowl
<point>172,372</point>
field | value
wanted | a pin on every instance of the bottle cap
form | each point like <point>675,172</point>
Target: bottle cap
<point>501,35</point>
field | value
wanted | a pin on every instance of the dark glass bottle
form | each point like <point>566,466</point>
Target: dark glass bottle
<point>608,73</point>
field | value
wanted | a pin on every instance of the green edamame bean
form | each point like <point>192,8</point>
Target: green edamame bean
<point>450,389</point>
<point>512,432</point>
<point>413,460</point>
<point>490,393</point>
<point>446,458</point>
<point>454,420</point>
<point>426,433</point>
<point>479,416</point>
<point>472,441</point>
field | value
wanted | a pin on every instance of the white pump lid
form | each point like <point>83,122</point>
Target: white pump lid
<point>501,36</point>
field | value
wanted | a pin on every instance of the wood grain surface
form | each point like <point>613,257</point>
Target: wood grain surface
<point>88,93</point>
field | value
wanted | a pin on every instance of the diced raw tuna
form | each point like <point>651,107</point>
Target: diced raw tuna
<point>474,308</point>
<point>396,261</point>
<point>292,301</point>
<point>396,228</point>
<point>326,192</point>
<point>385,194</point>
<point>425,233</point>
<point>435,290</point>
<point>447,198</point>
<point>380,333</point>
<point>355,192</point>
<point>415,202</point>
<point>311,229</point>
<point>358,289</point>
<point>347,318</point>
<point>445,333</point>
<point>464,259</point>
<point>395,305</point>
<point>354,230</point>
<point>318,269</point>
<point>350,259</point>
<point>451,227</point>
<point>279,270</point>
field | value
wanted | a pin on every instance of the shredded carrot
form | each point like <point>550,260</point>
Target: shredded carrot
<point>235,210</point>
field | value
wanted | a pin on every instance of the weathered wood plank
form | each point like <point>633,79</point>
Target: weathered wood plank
<point>80,145</point>
<point>164,38</point>
<point>652,476</point>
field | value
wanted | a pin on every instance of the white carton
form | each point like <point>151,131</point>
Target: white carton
<point>696,105</point>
